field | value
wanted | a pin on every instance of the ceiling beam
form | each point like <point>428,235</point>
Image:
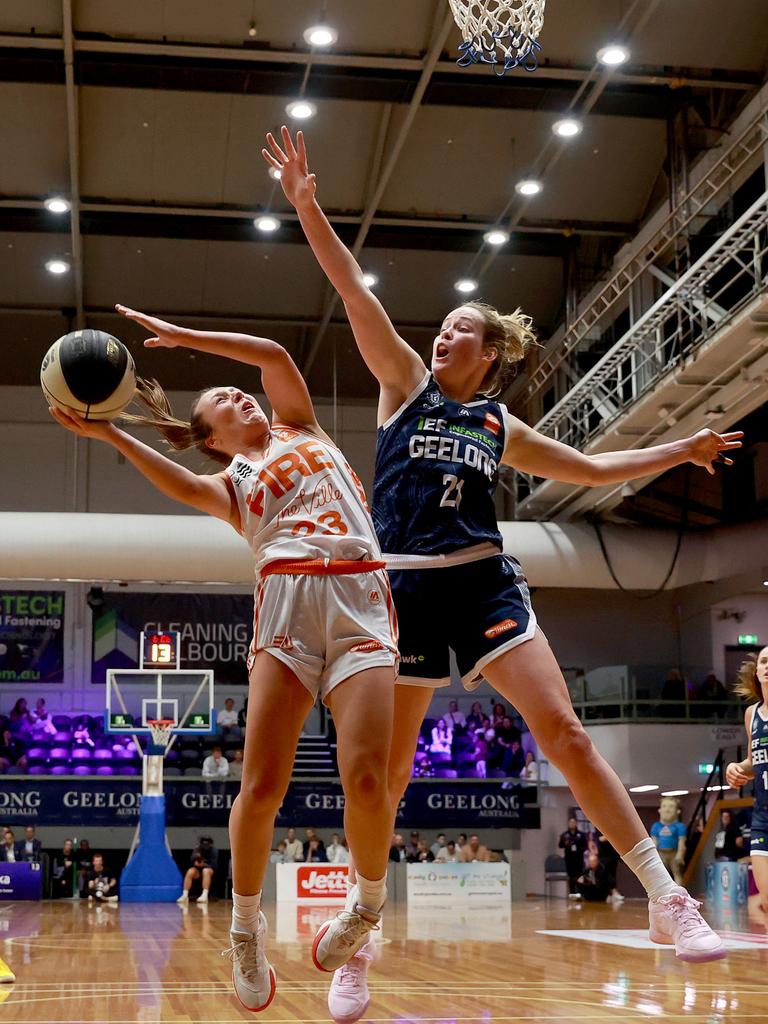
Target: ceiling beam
<point>73,157</point>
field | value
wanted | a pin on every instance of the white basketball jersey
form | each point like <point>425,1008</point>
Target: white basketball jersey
<point>302,500</point>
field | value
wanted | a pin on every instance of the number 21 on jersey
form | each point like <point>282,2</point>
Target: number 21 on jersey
<point>452,494</point>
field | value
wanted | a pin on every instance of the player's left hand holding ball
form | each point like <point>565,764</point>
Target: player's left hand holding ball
<point>164,335</point>
<point>707,447</point>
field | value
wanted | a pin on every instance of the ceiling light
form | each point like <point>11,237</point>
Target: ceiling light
<point>642,789</point>
<point>496,237</point>
<point>465,285</point>
<point>765,583</point>
<point>613,55</point>
<point>266,224</point>
<point>675,792</point>
<point>252,30</point>
<point>57,204</point>
<point>57,266</point>
<point>528,187</point>
<point>321,35</point>
<point>275,174</point>
<point>301,110</point>
<point>717,789</point>
<point>567,127</point>
<point>370,280</point>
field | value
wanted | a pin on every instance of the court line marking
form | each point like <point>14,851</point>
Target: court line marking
<point>418,1019</point>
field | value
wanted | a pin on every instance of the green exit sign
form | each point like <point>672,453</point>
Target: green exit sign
<point>748,639</point>
<point>706,769</point>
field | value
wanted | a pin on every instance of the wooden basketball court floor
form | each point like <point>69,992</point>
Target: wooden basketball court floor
<point>539,961</point>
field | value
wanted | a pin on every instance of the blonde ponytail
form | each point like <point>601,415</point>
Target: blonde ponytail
<point>512,335</point>
<point>181,435</point>
<point>747,684</point>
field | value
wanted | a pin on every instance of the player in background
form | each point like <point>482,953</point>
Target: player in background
<point>323,622</point>
<point>440,440</point>
<point>752,685</point>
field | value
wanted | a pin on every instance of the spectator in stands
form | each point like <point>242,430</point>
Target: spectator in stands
<point>30,847</point>
<point>476,716</point>
<point>215,770</point>
<point>573,843</point>
<point>513,761</point>
<point>439,844</point>
<point>480,754</point>
<point>42,723</point>
<point>475,851</point>
<point>397,849</point>
<point>205,861</point>
<point>674,689</point>
<point>99,885</point>
<point>8,847</point>
<point>81,737</point>
<point>507,732</point>
<point>442,738</point>
<point>342,854</point>
<point>84,859</point>
<point>242,714</point>
<point>294,849</point>
<point>711,693</point>
<point>413,845</point>
<point>498,716</point>
<point>279,855</point>
<point>236,766</point>
<point>314,848</point>
<point>593,884</point>
<point>461,842</point>
<point>531,771</point>
<point>63,872</point>
<point>12,754</point>
<point>455,718</point>
<point>20,718</point>
<point>729,842</point>
<point>422,854</point>
<point>226,721</point>
<point>333,847</point>
<point>449,854</point>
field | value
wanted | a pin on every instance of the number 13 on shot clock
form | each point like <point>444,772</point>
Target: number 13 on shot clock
<point>159,650</point>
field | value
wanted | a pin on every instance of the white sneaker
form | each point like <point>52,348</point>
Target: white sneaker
<point>184,898</point>
<point>574,896</point>
<point>339,939</point>
<point>618,898</point>
<point>253,977</point>
<point>202,898</point>
<point>348,996</point>
<point>675,920</point>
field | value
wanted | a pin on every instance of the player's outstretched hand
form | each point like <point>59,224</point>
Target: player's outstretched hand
<point>98,430</point>
<point>164,335</point>
<point>707,447</point>
<point>735,776</point>
<point>291,160</point>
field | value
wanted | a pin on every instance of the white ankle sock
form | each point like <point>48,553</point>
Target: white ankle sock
<point>245,912</point>
<point>372,894</point>
<point>646,863</point>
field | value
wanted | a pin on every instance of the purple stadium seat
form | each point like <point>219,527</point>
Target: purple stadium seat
<point>102,754</point>
<point>82,769</point>
<point>446,773</point>
<point>62,736</point>
<point>62,721</point>
<point>124,754</point>
<point>82,754</point>
<point>440,758</point>
<point>37,769</point>
<point>127,769</point>
<point>61,769</point>
<point>40,753</point>
<point>105,769</point>
<point>469,773</point>
<point>60,753</point>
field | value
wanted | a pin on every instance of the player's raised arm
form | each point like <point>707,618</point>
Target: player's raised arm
<point>389,358</point>
<point>206,493</point>
<point>283,384</point>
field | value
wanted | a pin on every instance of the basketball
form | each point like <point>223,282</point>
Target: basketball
<point>90,373</point>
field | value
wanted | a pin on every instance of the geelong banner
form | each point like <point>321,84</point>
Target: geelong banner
<point>31,636</point>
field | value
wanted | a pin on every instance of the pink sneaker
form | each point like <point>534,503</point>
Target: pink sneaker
<point>348,996</point>
<point>675,920</point>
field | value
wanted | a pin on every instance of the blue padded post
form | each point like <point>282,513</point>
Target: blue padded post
<point>151,875</point>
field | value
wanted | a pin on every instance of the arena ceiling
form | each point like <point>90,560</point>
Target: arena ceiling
<point>150,117</point>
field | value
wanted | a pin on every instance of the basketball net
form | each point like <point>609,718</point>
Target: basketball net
<point>503,33</point>
<point>161,730</point>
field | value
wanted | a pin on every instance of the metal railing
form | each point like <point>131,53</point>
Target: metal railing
<point>699,204</point>
<point>612,710</point>
<point>704,300</point>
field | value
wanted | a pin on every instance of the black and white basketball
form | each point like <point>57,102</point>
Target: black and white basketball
<point>90,373</point>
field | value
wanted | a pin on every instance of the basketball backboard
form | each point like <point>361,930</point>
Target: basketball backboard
<point>136,696</point>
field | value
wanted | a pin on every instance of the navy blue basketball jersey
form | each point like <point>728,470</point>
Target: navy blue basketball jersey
<point>437,467</point>
<point>759,745</point>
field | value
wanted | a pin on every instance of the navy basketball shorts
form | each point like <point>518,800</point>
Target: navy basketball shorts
<point>479,610</point>
<point>758,841</point>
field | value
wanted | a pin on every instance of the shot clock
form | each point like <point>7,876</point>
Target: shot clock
<point>159,650</point>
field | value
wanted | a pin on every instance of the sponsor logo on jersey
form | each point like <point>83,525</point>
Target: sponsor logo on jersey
<point>434,398</point>
<point>464,412</point>
<point>367,646</point>
<point>499,628</point>
<point>321,881</point>
<point>411,659</point>
<point>374,596</point>
<point>492,423</point>
<point>283,640</point>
